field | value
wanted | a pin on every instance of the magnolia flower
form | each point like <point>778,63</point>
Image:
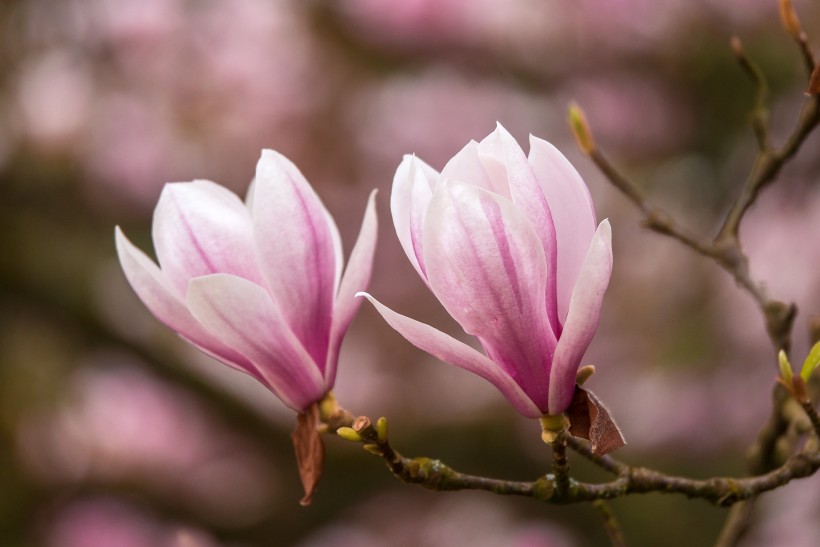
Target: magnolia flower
<point>257,285</point>
<point>509,246</point>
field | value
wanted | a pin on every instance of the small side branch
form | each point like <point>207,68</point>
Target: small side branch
<point>611,525</point>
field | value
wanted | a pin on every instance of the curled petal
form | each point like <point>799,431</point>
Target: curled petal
<point>160,298</point>
<point>466,166</point>
<point>582,319</point>
<point>355,279</point>
<point>487,267</point>
<point>298,249</point>
<point>450,350</point>
<point>412,190</point>
<point>201,228</point>
<point>244,317</point>
<point>572,214</point>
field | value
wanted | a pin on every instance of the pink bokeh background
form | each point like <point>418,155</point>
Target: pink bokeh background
<point>114,432</point>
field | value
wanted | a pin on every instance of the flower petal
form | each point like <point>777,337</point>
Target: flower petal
<point>411,193</point>
<point>355,279</point>
<point>501,154</point>
<point>161,299</point>
<point>466,166</point>
<point>582,319</point>
<point>572,214</point>
<point>242,314</point>
<point>450,350</point>
<point>201,228</point>
<point>487,267</point>
<point>297,244</point>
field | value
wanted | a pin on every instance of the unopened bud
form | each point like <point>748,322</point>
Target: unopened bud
<point>381,429</point>
<point>785,367</point>
<point>348,434</point>
<point>789,19</point>
<point>584,373</point>
<point>811,363</point>
<point>580,129</point>
<point>361,423</point>
<point>373,449</point>
<point>552,426</point>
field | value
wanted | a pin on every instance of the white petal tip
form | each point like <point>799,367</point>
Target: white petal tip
<point>362,293</point>
<point>605,228</point>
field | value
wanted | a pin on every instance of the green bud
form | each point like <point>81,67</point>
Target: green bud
<point>348,434</point>
<point>373,449</point>
<point>811,362</point>
<point>381,429</point>
<point>580,129</point>
<point>584,373</point>
<point>785,368</point>
<point>552,426</point>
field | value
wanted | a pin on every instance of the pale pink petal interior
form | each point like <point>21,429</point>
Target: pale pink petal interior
<point>242,314</point>
<point>202,228</point>
<point>297,247</point>
<point>573,214</point>
<point>487,267</point>
<point>163,301</point>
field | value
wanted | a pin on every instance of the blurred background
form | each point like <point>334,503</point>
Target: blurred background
<point>113,432</point>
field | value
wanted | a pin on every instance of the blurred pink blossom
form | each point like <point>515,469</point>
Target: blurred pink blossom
<point>103,522</point>
<point>437,522</point>
<point>118,423</point>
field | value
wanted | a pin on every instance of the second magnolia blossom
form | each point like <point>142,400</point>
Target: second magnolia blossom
<point>508,244</point>
<point>259,284</point>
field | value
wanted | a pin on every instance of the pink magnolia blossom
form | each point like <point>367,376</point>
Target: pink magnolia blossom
<point>508,245</point>
<point>257,285</point>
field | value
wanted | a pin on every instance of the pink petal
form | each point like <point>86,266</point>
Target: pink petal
<point>355,279</point>
<point>297,244</point>
<point>501,152</point>
<point>582,319</point>
<point>162,300</point>
<point>466,166</point>
<point>450,350</point>
<point>244,317</point>
<point>486,265</point>
<point>412,190</point>
<point>201,228</point>
<point>572,213</point>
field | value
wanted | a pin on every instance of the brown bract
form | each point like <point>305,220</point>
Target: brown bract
<point>310,451</point>
<point>590,419</point>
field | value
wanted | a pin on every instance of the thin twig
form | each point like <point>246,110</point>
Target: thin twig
<point>737,523</point>
<point>768,165</point>
<point>760,123</point>
<point>560,465</point>
<point>655,218</point>
<point>607,463</point>
<point>811,412</point>
<point>611,525</point>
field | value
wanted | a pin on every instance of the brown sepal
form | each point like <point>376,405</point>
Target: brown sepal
<point>589,419</point>
<point>310,451</point>
<point>814,82</point>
